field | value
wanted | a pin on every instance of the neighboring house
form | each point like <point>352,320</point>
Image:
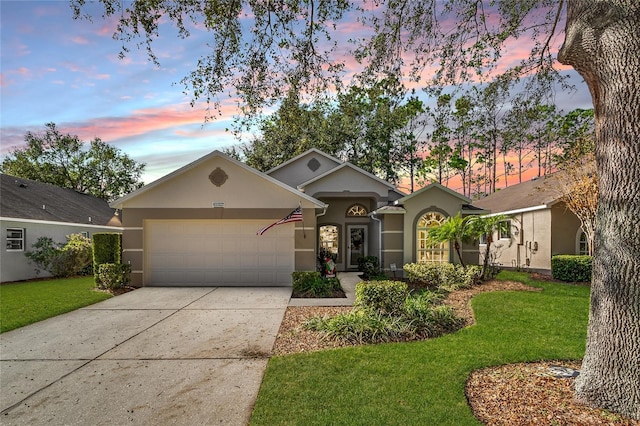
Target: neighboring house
<point>197,226</point>
<point>541,225</point>
<point>30,210</point>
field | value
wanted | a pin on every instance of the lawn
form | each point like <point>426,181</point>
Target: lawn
<point>25,303</point>
<point>423,382</point>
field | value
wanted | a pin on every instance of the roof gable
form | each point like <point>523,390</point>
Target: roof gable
<point>430,187</point>
<point>540,192</point>
<point>215,179</point>
<point>304,167</point>
<point>32,200</point>
<point>346,177</point>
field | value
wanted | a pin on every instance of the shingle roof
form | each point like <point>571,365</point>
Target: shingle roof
<point>28,199</point>
<point>538,192</point>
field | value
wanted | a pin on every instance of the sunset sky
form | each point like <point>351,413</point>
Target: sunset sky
<point>55,69</point>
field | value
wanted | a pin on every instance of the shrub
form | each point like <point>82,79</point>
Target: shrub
<point>107,248</point>
<point>369,266</point>
<point>571,268</point>
<point>384,297</point>
<point>312,284</point>
<point>113,275</point>
<point>362,326</point>
<point>443,275</point>
<point>62,260</point>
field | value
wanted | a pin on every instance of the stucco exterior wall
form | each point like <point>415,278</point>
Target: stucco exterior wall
<point>393,242</point>
<point>15,266</point>
<point>564,230</point>
<point>303,169</point>
<point>530,244</point>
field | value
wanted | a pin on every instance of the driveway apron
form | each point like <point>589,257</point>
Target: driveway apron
<point>154,356</point>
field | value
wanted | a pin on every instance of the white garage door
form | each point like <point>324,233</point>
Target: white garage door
<point>218,253</point>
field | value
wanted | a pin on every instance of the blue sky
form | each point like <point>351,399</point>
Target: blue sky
<point>56,69</point>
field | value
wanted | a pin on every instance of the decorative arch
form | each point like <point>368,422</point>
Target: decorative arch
<point>425,251</point>
<point>357,210</point>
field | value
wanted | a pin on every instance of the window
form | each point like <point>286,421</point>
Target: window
<point>504,232</point>
<point>329,238</point>
<point>15,239</point>
<point>582,243</point>
<point>426,252</point>
<point>85,234</point>
<point>357,210</point>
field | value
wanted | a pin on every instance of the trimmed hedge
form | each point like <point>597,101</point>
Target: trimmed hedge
<point>369,266</point>
<point>571,268</point>
<point>113,275</point>
<point>443,275</point>
<point>107,248</point>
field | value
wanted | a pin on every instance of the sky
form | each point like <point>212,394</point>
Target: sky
<point>57,69</point>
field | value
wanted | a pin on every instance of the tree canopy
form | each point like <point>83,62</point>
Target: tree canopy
<point>64,160</point>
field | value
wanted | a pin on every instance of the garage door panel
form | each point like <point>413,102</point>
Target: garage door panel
<point>218,252</point>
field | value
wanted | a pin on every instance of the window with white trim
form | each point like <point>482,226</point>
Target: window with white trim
<point>582,243</point>
<point>504,232</point>
<point>427,252</point>
<point>15,239</point>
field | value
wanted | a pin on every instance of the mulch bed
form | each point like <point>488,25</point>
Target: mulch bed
<point>517,394</point>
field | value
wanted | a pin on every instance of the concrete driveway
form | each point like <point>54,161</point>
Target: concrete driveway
<point>154,356</point>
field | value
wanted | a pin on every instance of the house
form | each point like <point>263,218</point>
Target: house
<point>198,225</point>
<point>541,225</point>
<point>30,210</point>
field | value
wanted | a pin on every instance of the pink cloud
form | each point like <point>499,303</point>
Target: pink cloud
<point>80,40</point>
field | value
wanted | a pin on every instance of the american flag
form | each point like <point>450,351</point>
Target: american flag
<point>294,216</point>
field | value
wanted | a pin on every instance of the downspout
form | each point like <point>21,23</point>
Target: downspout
<point>372,215</point>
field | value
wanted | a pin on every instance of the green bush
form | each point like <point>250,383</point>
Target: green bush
<point>443,275</point>
<point>107,248</point>
<point>113,275</point>
<point>62,260</point>
<point>312,284</point>
<point>384,297</point>
<point>571,268</point>
<point>369,266</point>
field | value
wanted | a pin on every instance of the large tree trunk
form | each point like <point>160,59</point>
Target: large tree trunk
<point>603,44</point>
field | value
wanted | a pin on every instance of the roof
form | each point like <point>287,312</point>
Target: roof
<point>464,199</point>
<point>120,202</point>
<point>304,154</point>
<point>349,166</point>
<point>32,200</point>
<point>541,192</point>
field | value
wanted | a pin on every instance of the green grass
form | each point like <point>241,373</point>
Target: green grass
<point>25,303</point>
<point>423,382</point>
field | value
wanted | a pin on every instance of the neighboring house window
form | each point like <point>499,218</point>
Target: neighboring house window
<point>85,234</point>
<point>426,252</point>
<point>357,210</point>
<point>482,239</point>
<point>15,239</point>
<point>505,233</point>
<point>582,243</point>
<point>329,238</point>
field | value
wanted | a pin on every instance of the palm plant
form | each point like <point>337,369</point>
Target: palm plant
<point>488,226</point>
<point>454,229</point>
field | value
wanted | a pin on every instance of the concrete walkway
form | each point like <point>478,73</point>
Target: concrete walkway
<point>154,356</point>
<point>348,281</point>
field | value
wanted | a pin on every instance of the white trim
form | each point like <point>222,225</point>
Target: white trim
<point>128,250</point>
<point>431,186</point>
<point>524,210</point>
<point>51,222</point>
<point>306,250</point>
<point>137,272</point>
<point>340,167</point>
<point>392,251</point>
<point>134,228</point>
<point>393,232</point>
<point>304,154</point>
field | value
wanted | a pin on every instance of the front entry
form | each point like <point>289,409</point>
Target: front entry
<point>356,244</point>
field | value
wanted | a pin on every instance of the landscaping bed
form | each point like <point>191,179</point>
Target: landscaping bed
<point>523,393</point>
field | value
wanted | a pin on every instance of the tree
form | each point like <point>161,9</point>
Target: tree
<point>466,39</point>
<point>602,43</point>
<point>62,160</point>
<point>454,229</point>
<point>487,226</point>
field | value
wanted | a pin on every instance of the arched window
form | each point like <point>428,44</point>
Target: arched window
<point>357,210</point>
<point>426,252</point>
<point>582,243</point>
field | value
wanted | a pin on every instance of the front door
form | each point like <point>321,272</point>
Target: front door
<point>356,244</point>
